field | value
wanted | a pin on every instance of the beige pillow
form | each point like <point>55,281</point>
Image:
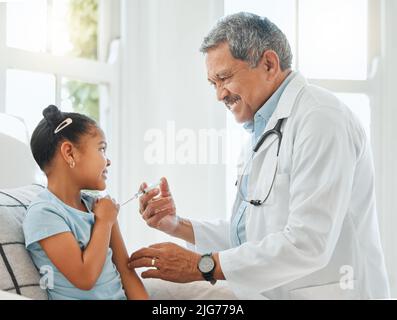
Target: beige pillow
<point>17,271</point>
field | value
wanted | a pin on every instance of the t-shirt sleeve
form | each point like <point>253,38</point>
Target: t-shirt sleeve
<point>42,221</point>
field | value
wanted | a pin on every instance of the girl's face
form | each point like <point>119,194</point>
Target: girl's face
<point>91,163</point>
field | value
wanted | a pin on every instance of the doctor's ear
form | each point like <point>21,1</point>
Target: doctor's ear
<point>270,62</point>
<point>68,153</point>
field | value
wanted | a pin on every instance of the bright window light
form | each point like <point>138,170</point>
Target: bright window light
<point>27,25</point>
<point>59,27</point>
<point>27,94</point>
<point>60,38</point>
<point>360,105</point>
<point>333,39</point>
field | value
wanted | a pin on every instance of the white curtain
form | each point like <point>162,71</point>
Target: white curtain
<point>165,89</point>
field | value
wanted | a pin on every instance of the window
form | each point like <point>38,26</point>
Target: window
<point>330,40</point>
<point>28,93</point>
<point>59,55</point>
<point>333,39</point>
<point>64,28</point>
<point>32,34</point>
<point>80,97</point>
<point>60,27</point>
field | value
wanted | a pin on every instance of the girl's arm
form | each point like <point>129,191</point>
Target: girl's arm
<point>133,286</point>
<point>81,267</point>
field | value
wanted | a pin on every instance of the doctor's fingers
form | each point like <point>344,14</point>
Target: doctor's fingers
<point>164,187</point>
<point>145,198</point>
<point>145,252</point>
<point>156,205</point>
<point>144,262</point>
<point>152,273</point>
<point>143,186</point>
<point>154,221</point>
<point>154,208</point>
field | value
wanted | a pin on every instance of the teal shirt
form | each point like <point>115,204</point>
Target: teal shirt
<point>47,216</point>
<point>256,127</point>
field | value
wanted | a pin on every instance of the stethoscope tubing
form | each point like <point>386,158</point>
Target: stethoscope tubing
<point>275,131</point>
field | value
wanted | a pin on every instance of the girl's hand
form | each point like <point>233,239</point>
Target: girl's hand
<point>106,210</point>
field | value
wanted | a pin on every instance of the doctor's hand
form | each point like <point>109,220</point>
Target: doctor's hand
<point>157,208</point>
<point>167,261</point>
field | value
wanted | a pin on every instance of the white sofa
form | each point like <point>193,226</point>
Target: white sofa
<point>17,166</point>
<point>18,275</point>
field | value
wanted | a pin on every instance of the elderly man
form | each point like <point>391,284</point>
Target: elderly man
<point>304,222</point>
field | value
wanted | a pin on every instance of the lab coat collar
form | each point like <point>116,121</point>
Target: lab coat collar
<point>284,107</point>
<point>287,99</point>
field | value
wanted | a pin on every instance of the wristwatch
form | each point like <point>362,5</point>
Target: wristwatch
<point>206,266</point>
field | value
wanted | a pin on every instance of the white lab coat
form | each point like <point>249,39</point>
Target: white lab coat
<point>316,237</point>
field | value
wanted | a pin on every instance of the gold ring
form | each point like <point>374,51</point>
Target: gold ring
<point>153,261</point>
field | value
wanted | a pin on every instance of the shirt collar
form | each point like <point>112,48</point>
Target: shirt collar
<point>263,115</point>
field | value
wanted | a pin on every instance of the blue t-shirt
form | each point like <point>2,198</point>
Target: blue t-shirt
<point>47,216</point>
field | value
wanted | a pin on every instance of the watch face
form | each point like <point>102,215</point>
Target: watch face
<point>206,264</point>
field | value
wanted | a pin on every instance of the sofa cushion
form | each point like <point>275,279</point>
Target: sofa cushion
<point>17,271</point>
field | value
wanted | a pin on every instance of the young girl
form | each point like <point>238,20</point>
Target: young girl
<point>77,236</point>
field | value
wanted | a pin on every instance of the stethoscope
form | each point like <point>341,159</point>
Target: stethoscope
<point>275,131</point>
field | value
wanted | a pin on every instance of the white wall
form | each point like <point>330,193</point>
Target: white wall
<point>164,79</point>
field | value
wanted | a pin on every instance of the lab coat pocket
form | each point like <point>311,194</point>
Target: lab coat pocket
<point>331,291</point>
<point>280,189</point>
<point>272,190</point>
<point>276,208</point>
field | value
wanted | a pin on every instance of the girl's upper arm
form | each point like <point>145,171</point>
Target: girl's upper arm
<point>64,252</point>
<point>133,286</point>
<point>120,253</point>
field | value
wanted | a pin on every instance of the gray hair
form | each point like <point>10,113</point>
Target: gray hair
<point>248,36</point>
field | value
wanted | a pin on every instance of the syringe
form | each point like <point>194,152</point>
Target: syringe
<point>141,192</point>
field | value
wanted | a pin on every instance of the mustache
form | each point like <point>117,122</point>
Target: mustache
<point>228,100</point>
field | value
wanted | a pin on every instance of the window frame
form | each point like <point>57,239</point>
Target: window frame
<point>105,74</point>
<point>374,52</point>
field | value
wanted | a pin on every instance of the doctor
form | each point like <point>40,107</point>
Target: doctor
<point>304,223</point>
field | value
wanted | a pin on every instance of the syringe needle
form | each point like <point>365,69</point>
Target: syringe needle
<point>141,192</point>
<point>134,197</point>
